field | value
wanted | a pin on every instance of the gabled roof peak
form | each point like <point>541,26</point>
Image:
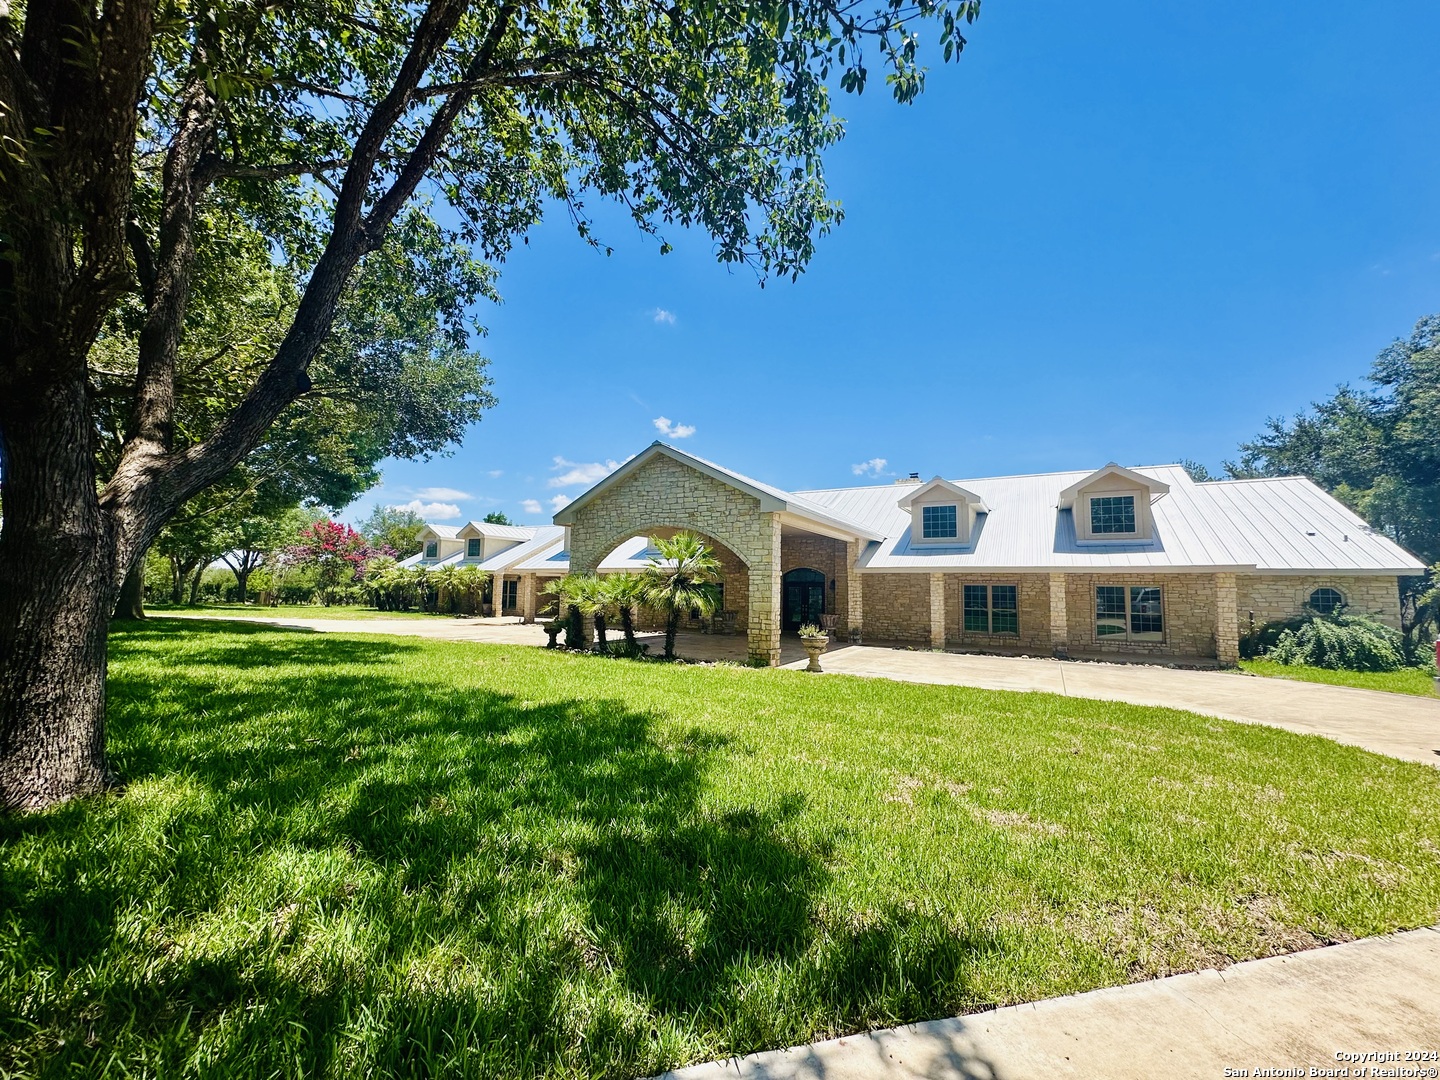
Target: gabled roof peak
<point>1157,488</point>
<point>939,485</point>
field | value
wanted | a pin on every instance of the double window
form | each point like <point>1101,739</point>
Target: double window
<point>1129,613</point>
<point>938,522</point>
<point>509,595</point>
<point>473,547</point>
<point>432,549</point>
<point>991,609</point>
<point>1112,514</point>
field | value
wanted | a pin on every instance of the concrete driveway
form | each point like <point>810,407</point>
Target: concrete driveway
<point>1399,725</point>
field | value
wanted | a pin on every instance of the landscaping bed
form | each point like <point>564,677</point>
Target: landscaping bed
<point>344,856</point>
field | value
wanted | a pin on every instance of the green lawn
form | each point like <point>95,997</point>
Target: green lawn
<point>290,611</point>
<point>361,856</point>
<point>1419,681</point>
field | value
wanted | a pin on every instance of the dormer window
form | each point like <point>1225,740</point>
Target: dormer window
<point>1112,504</point>
<point>472,547</point>
<point>432,549</point>
<point>942,512</point>
<point>938,522</point>
<point>1112,514</point>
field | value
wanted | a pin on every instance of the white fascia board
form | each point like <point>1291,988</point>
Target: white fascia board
<point>823,525</point>
<point>1127,568</point>
<point>566,514</point>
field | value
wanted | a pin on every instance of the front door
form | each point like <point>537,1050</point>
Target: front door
<point>802,598</point>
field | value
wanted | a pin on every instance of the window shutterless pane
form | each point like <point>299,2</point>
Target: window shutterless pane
<point>1004,613</point>
<point>1145,612</point>
<point>472,549</point>
<point>937,522</point>
<point>1109,610</point>
<point>977,612</point>
<point>509,594</point>
<point>1112,514</point>
<point>431,549</point>
<point>1326,601</point>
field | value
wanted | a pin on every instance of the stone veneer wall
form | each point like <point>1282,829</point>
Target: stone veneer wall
<point>1283,596</point>
<point>733,575</point>
<point>897,607</point>
<point>1033,593</point>
<point>663,494</point>
<point>1188,607</point>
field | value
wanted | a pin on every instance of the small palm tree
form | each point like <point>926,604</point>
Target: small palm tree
<point>571,589</point>
<point>627,592</point>
<point>468,583</point>
<point>447,588</point>
<point>681,578</point>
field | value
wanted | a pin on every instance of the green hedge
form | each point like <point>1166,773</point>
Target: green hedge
<point>1339,643</point>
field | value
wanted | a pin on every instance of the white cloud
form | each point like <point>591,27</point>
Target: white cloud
<point>443,494</point>
<point>672,431</point>
<point>495,474</point>
<point>430,511</point>
<point>531,506</point>
<point>660,315</point>
<point>581,473</point>
<point>558,501</point>
<point>874,467</point>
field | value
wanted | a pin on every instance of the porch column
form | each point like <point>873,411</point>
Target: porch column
<point>1227,621</point>
<point>1059,624</point>
<point>854,583</point>
<point>497,595</point>
<point>764,629</point>
<point>528,591</point>
<point>937,611</point>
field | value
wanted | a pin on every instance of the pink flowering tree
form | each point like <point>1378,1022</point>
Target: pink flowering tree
<point>338,554</point>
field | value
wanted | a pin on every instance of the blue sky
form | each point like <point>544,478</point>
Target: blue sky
<point>1127,231</point>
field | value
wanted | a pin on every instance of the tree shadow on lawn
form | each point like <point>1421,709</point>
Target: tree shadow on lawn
<point>427,880</point>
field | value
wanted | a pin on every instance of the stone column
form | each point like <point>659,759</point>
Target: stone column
<point>1059,623</point>
<point>1227,621</point>
<point>497,595</point>
<point>853,584</point>
<point>529,594</point>
<point>764,629</point>
<point>937,611</point>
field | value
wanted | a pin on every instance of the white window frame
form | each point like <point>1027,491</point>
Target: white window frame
<point>1344,602</point>
<point>479,543</point>
<point>1129,637</point>
<point>940,537</point>
<point>432,549</point>
<point>1144,523</point>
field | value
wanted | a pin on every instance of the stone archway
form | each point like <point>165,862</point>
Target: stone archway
<point>666,494</point>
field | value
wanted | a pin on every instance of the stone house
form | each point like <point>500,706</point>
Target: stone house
<point>1142,563</point>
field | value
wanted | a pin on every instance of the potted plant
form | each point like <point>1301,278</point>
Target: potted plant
<point>816,641</point>
<point>552,629</point>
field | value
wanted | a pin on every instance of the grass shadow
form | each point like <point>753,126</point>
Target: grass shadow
<point>327,861</point>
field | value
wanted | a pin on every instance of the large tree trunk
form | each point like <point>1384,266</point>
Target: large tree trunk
<point>195,583</point>
<point>132,593</point>
<point>58,586</point>
<point>241,577</point>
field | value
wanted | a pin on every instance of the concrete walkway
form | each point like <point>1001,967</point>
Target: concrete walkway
<point>1399,725</point>
<point>1380,995</point>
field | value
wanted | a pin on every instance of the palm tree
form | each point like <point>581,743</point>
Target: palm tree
<point>627,592</point>
<point>586,594</point>
<point>469,584</point>
<point>447,588</point>
<point>681,578</point>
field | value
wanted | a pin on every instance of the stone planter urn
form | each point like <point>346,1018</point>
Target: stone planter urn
<point>552,631</point>
<point>815,644</point>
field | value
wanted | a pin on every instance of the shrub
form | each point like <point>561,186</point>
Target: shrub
<point>1341,643</point>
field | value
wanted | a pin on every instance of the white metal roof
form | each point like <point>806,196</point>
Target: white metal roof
<point>1239,525</point>
<point>497,532</point>
<point>543,539</point>
<point>441,532</point>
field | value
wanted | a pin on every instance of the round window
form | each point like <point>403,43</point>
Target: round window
<point>1326,601</point>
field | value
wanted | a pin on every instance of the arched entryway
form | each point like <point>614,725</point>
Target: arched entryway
<point>802,598</point>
